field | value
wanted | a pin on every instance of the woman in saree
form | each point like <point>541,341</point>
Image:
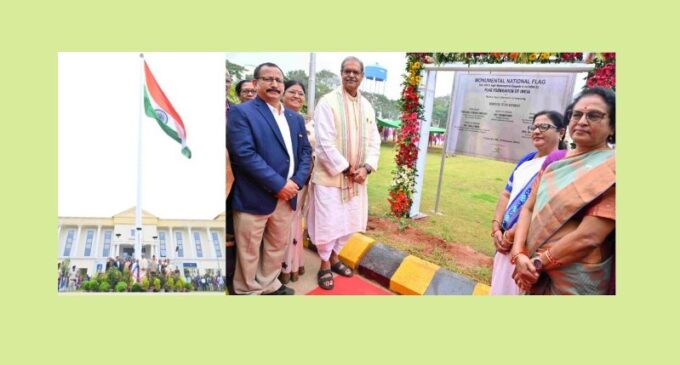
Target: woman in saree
<point>294,266</point>
<point>564,242</point>
<point>546,131</point>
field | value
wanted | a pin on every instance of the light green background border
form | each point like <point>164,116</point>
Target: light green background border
<point>640,324</point>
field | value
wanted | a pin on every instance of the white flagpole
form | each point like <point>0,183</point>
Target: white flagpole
<point>138,211</point>
<point>311,84</point>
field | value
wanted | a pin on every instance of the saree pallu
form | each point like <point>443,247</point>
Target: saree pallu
<point>566,187</point>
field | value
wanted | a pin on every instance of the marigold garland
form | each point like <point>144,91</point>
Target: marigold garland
<point>404,175</point>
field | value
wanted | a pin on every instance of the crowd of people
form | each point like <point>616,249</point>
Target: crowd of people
<point>71,278</point>
<point>554,224</point>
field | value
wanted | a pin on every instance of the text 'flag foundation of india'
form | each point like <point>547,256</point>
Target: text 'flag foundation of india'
<point>158,107</point>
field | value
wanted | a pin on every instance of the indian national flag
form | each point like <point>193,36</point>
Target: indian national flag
<point>158,107</point>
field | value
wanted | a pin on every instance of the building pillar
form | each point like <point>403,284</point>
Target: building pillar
<point>74,246</point>
<point>96,244</point>
<point>191,242</point>
<point>171,245</point>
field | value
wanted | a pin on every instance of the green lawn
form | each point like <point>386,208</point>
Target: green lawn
<point>470,190</point>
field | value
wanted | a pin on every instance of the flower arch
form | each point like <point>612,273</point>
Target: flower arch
<point>406,148</point>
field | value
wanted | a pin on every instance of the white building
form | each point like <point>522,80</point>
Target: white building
<point>192,245</point>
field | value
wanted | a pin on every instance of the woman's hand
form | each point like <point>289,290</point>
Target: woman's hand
<point>525,274</point>
<point>498,241</point>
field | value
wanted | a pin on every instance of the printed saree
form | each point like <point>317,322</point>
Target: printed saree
<point>567,187</point>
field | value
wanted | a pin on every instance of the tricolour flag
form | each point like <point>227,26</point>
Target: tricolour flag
<point>158,107</point>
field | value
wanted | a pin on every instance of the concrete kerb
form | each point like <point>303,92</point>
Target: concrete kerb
<point>402,273</point>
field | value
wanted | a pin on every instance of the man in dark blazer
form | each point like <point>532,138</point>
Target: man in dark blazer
<point>271,160</point>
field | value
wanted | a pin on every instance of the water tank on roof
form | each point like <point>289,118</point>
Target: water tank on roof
<point>376,73</point>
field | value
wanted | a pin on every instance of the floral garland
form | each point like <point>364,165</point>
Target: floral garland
<point>604,74</point>
<point>404,175</point>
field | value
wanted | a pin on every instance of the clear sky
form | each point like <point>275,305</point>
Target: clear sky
<point>99,110</point>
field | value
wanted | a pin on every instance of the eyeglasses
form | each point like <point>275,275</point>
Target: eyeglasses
<point>592,117</point>
<point>541,127</point>
<point>351,72</point>
<point>270,80</point>
<point>296,93</point>
<point>248,91</point>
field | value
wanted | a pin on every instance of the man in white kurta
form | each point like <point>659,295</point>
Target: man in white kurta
<point>347,150</point>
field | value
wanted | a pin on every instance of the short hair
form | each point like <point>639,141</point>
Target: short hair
<point>291,83</point>
<point>256,73</point>
<point>351,58</point>
<point>609,98</point>
<point>239,85</point>
<point>559,122</point>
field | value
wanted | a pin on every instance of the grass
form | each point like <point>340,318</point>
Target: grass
<point>470,189</point>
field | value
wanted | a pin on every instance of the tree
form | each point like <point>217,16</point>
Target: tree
<point>298,75</point>
<point>326,81</point>
<point>440,111</point>
<point>384,107</point>
<point>236,71</point>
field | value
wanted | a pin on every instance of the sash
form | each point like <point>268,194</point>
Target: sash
<point>352,132</point>
<point>515,207</point>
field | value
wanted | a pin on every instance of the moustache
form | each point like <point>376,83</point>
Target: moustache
<point>274,90</point>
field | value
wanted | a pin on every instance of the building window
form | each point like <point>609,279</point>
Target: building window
<point>69,242</point>
<point>216,243</point>
<point>180,247</point>
<point>132,233</point>
<point>107,243</point>
<point>163,247</point>
<point>197,241</point>
<point>88,242</point>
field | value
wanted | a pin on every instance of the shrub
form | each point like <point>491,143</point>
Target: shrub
<point>156,284</point>
<point>179,285</point>
<point>136,287</point>
<point>121,286</point>
<point>85,286</point>
<point>113,276</point>
<point>170,284</point>
<point>145,284</point>
<point>104,287</point>
<point>188,287</point>
<point>93,286</point>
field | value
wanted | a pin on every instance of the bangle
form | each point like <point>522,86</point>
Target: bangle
<point>494,220</point>
<point>513,260</point>
<point>524,252</point>
<point>494,233</point>
<point>551,258</point>
<point>505,238</point>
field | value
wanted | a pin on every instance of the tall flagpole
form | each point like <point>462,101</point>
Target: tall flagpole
<point>311,84</point>
<point>138,210</point>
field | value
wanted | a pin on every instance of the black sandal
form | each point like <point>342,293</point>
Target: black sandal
<point>325,279</point>
<point>342,269</point>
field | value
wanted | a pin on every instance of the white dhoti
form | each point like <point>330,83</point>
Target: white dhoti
<point>331,222</point>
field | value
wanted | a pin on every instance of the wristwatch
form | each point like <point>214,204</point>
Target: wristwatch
<point>368,168</point>
<point>537,264</point>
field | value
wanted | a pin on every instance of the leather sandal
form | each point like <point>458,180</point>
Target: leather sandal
<point>325,279</point>
<point>342,269</point>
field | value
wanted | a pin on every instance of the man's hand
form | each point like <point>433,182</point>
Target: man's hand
<point>288,191</point>
<point>360,175</point>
